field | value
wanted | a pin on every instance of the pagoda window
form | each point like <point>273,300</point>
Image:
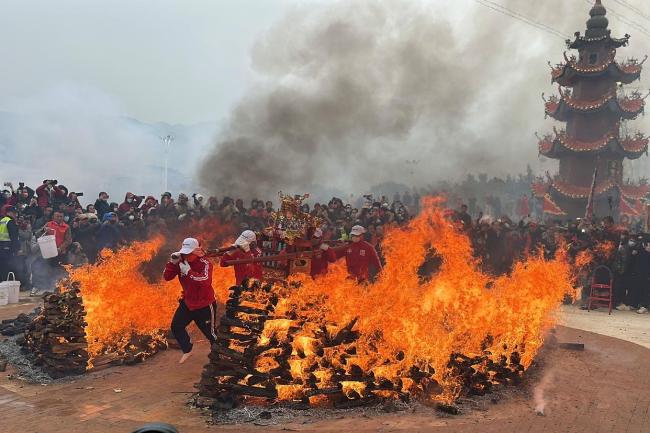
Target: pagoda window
<point>593,58</point>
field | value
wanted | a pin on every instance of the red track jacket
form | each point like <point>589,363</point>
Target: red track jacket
<point>359,257</point>
<point>197,284</point>
<point>250,270</point>
<point>320,262</point>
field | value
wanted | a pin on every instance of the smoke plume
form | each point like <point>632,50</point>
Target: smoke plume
<point>355,93</point>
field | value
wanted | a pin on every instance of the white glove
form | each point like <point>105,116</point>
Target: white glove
<point>324,247</point>
<point>245,246</point>
<point>185,268</point>
<point>175,258</point>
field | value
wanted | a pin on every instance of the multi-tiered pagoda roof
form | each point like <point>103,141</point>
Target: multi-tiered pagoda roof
<point>593,103</point>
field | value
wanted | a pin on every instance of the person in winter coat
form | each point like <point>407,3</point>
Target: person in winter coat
<point>130,203</point>
<point>49,193</point>
<point>101,205</point>
<point>108,235</point>
<point>197,302</point>
<point>149,203</point>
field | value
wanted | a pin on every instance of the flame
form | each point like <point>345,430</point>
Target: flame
<point>121,302</point>
<point>459,311</point>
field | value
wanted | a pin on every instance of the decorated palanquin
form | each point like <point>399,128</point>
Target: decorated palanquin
<point>290,234</point>
<point>595,107</point>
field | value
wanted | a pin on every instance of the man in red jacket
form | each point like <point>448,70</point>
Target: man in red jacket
<point>197,302</point>
<point>320,261</point>
<point>360,256</point>
<point>247,248</point>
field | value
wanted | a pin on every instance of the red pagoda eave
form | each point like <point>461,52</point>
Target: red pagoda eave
<point>565,74</point>
<point>580,192</point>
<point>624,208</point>
<point>635,192</point>
<point>635,145</point>
<point>628,107</point>
<point>629,147</point>
<point>539,189</point>
<point>550,207</point>
<point>582,41</point>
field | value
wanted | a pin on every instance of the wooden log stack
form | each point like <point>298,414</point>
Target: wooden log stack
<point>57,337</point>
<point>230,371</point>
<point>265,357</point>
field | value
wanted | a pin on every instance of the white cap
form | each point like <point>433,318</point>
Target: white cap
<point>189,245</point>
<point>357,231</point>
<point>247,236</point>
<point>318,233</point>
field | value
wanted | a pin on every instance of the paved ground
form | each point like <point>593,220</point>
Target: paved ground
<point>606,388</point>
<point>626,325</point>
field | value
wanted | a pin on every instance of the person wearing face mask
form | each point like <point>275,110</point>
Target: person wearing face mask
<point>197,302</point>
<point>131,202</point>
<point>101,205</point>
<point>247,248</point>
<point>360,257</point>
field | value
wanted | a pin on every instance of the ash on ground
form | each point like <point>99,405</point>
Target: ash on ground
<point>23,362</point>
<point>17,356</point>
<point>279,415</point>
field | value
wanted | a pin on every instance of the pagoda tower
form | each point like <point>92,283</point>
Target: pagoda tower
<point>593,106</point>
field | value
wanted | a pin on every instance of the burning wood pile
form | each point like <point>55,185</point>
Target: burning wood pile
<point>269,352</point>
<point>230,371</point>
<point>57,337</point>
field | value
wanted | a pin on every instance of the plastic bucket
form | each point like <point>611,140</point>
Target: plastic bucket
<point>13,288</point>
<point>4,295</point>
<point>47,244</point>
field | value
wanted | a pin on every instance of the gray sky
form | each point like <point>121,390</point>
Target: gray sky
<point>177,61</point>
<point>73,64</point>
<point>164,60</point>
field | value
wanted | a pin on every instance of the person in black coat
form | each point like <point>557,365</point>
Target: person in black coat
<point>102,206</point>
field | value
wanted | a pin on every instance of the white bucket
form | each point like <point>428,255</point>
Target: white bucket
<point>47,244</point>
<point>13,288</point>
<point>4,295</point>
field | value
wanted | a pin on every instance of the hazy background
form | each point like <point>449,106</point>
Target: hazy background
<point>279,94</point>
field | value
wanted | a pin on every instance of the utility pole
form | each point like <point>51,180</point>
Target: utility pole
<point>167,142</point>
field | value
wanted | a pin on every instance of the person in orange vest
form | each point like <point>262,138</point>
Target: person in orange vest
<point>247,248</point>
<point>61,232</point>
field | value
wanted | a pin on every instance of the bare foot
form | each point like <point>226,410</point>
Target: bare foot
<point>185,357</point>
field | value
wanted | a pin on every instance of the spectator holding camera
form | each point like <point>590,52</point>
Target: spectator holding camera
<point>131,202</point>
<point>49,193</point>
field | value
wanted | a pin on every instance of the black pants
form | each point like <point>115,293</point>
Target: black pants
<point>205,319</point>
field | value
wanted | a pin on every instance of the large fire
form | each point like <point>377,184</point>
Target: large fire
<point>121,302</point>
<point>406,320</point>
<point>403,320</point>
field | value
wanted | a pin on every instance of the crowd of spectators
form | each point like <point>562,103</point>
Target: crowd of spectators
<point>499,243</point>
<point>81,231</point>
